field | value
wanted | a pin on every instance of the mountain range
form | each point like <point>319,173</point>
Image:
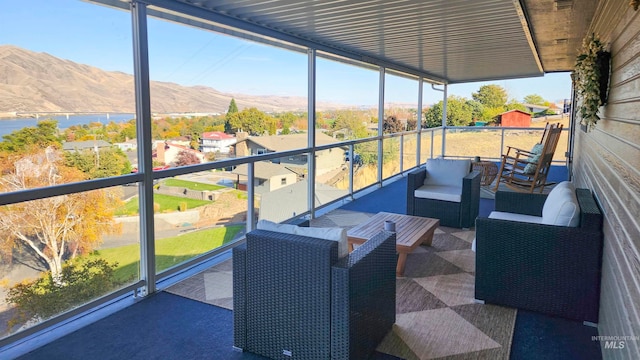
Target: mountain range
<point>39,82</point>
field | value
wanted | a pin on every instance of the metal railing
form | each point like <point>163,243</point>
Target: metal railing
<point>404,160</point>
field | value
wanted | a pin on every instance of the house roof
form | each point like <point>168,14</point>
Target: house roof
<point>515,110</point>
<point>263,170</point>
<point>291,200</point>
<point>536,106</point>
<point>216,135</point>
<point>444,41</point>
<point>82,145</point>
<point>181,147</point>
<point>289,142</point>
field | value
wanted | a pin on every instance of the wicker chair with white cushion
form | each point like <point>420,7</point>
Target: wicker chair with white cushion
<point>295,297</point>
<point>542,253</point>
<point>447,190</point>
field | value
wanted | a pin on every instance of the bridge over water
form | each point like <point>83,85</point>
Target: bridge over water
<point>39,114</point>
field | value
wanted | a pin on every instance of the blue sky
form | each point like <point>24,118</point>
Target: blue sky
<point>101,37</point>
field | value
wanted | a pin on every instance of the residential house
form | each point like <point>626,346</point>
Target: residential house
<point>95,145</point>
<point>535,108</point>
<point>291,200</point>
<point>268,176</point>
<point>326,160</point>
<point>216,141</point>
<point>127,145</point>
<point>166,152</point>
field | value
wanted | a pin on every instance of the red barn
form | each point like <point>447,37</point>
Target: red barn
<point>514,118</point>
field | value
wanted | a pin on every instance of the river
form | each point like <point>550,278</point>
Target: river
<point>8,126</point>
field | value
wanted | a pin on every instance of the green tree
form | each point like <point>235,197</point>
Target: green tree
<point>251,120</point>
<point>534,99</point>
<point>45,297</point>
<point>351,122</point>
<point>492,96</point>
<point>287,119</point>
<point>513,105</point>
<point>44,134</point>
<point>476,109</point>
<point>272,126</point>
<point>233,109</point>
<point>489,114</point>
<point>460,112</point>
<point>104,163</point>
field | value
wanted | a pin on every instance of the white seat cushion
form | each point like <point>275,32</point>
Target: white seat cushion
<point>500,215</point>
<point>439,192</point>
<point>446,172</point>
<point>561,208</point>
<point>334,234</point>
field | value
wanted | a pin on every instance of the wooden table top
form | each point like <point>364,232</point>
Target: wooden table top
<point>410,230</point>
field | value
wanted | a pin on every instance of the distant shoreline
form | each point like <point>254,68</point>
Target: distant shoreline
<point>14,115</point>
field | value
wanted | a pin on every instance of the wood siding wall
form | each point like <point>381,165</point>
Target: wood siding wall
<point>607,160</point>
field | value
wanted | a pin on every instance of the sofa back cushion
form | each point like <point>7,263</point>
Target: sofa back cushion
<point>334,234</point>
<point>561,207</point>
<point>445,172</point>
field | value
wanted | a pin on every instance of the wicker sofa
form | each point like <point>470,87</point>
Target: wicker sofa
<point>447,190</point>
<point>540,267</point>
<point>295,298</point>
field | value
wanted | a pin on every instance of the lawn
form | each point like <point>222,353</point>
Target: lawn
<point>191,185</point>
<point>169,251</point>
<point>167,203</point>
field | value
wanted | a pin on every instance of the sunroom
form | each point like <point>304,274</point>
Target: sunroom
<point>384,47</point>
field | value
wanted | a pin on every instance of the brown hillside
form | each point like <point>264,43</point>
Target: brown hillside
<point>39,82</point>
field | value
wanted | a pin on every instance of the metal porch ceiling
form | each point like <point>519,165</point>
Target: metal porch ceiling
<point>448,41</point>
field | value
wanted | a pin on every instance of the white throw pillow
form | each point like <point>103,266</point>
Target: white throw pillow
<point>446,172</point>
<point>334,234</point>
<point>561,208</point>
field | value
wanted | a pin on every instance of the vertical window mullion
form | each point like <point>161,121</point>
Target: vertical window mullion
<point>143,124</point>
<point>380,122</point>
<point>311,125</point>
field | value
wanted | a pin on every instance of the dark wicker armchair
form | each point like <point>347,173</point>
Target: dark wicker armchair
<point>457,214</point>
<point>549,269</point>
<point>293,297</point>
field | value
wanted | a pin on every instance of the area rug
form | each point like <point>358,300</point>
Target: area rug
<point>437,316</point>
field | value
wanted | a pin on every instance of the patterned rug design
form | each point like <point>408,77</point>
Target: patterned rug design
<point>436,313</point>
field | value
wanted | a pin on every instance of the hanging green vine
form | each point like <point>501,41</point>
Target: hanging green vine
<point>587,79</point>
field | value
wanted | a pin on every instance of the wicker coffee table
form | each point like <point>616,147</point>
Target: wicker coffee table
<point>411,232</point>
